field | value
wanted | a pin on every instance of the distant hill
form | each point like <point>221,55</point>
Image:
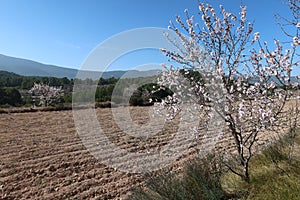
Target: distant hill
<point>10,75</point>
<point>31,68</point>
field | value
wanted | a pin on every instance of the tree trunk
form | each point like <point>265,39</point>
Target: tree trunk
<point>246,176</point>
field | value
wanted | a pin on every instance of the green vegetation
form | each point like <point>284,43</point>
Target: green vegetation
<point>9,79</point>
<point>275,174</point>
<point>10,97</point>
<point>14,90</point>
<point>148,94</point>
<point>201,179</point>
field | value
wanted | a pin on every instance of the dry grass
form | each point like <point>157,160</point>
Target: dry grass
<point>273,175</point>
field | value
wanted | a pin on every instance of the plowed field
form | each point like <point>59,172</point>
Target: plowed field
<point>42,157</point>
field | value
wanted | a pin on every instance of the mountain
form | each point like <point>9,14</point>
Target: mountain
<point>31,68</point>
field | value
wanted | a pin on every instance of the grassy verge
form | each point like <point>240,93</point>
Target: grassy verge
<point>274,175</point>
<point>200,179</point>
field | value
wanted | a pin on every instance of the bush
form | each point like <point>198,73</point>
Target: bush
<point>137,100</point>
<point>10,96</point>
<point>143,94</point>
<point>5,106</point>
<point>200,180</point>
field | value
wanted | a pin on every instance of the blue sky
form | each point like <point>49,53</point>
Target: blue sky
<point>64,32</point>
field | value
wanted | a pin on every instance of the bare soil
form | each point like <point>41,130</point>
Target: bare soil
<point>42,157</point>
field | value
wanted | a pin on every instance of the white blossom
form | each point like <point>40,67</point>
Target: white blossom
<point>241,88</point>
<point>256,36</point>
<point>45,94</point>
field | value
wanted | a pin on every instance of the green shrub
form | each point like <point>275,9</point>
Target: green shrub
<point>200,179</point>
<point>10,96</point>
<point>5,106</point>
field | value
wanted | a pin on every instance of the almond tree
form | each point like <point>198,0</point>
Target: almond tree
<point>291,29</point>
<point>45,95</point>
<point>246,90</point>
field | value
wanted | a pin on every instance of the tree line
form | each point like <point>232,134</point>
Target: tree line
<point>15,90</point>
